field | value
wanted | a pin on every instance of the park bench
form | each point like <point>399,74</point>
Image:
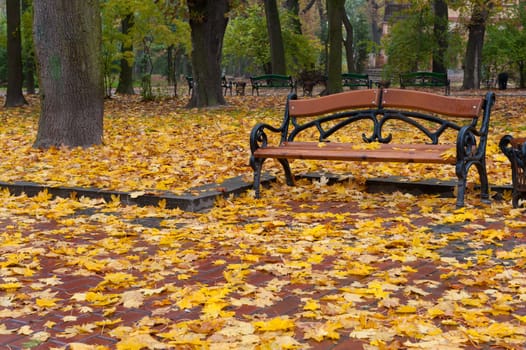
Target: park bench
<point>273,81</point>
<point>359,125</point>
<point>425,80</point>
<point>225,84</point>
<point>355,80</point>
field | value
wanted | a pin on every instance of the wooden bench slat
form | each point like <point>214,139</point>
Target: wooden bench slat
<point>335,102</point>
<point>454,106</point>
<point>337,151</point>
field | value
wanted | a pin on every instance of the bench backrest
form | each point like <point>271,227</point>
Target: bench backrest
<point>424,101</point>
<point>432,114</point>
<point>334,102</point>
<point>388,98</point>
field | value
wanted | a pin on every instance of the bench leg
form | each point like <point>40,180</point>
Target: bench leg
<point>288,173</point>
<point>515,196</point>
<point>461,171</point>
<point>484,184</point>
<point>257,165</point>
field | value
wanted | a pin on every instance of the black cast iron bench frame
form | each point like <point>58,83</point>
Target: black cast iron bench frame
<point>429,114</point>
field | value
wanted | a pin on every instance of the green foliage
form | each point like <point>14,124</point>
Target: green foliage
<point>409,45</point>
<point>246,44</point>
<point>155,28</point>
<point>357,13</point>
<point>411,42</point>
<point>504,46</point>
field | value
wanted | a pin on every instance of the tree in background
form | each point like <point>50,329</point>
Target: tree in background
<point>125,85</point>
<point>480,12</point>
<point>277,50</point>
<point>419,39</point>
<point>246,47</point>
<point>14,95</point>
<point>357,36</point>
<point>68,46</point>
<point>135,34</point>
<point>335,11</point>
<point>440,32</point>
<point>208,22</point>
<point>410,42</point>
<point>293,6</point>
<point>28,48</point>
<point>504,49</point>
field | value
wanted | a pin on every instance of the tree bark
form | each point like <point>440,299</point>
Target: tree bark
<point>348,43</point>
<point>335,9</point>
<point>440,31</point>
<point>28,54</point>
<point>293,6</point>
<point>14,95</point>
<point>208,21</point>
<point>473,58</point>
<point>126,74</point>
<point>277,49</point>
<point>68,41</point>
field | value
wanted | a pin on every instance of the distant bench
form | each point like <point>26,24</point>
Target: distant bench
<point>350,80</point>
<point>425,79</point>
<point>225,84</point>
<point>359,125</point>
<point>272,81</point>
<point>353,80</point>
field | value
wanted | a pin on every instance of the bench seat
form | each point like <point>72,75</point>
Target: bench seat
<point>377,152</point>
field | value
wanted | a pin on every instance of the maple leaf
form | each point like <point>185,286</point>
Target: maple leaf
<point>275,324</point>
<point>320,332</point>
<point>138,342</point>
<point>100,299</point>
<point>81,346</point>
<point>45,303</point>
<point>132,298</point>
<point>5,331</point>
<point>10,286</point>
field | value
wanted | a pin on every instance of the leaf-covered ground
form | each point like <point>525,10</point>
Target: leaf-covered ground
<point>163,146</point>
<point>313,266</point>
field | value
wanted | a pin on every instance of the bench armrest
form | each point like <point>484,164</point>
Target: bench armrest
<point>258,137</point>
<point>471,141</point>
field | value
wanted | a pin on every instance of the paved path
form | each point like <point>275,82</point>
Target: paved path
<point>323,268</point>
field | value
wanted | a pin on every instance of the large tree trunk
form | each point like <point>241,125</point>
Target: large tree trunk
<point>440,31</point>
<point>277,50</point>
<point>335,9</point>
<point>348,43</point>
<point>14,95</point>
<point>208,21</point>
<point>68,45</point>
<point>126,74</point>
<point>473,58</point>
